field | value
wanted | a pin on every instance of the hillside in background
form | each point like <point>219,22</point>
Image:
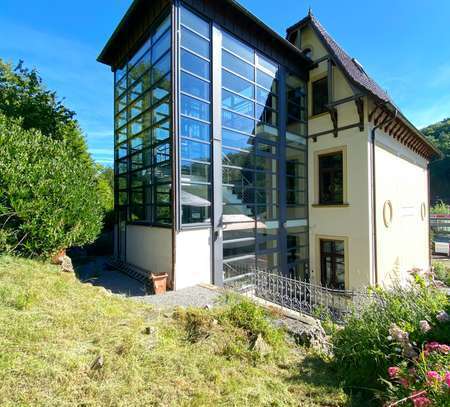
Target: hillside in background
<point>439,134</point>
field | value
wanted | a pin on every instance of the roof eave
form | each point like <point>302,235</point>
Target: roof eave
<point>102,56</point>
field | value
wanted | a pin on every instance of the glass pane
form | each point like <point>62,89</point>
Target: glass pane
<point>161,29</point>
<point>162,153</point>
<point>237,103</point>
<point>160,47</point>
<point>139,124</point>
<point>163,214</point>
<point>238,122</point>
<point>139,69</point>
<point>266,81</point>
<point>194,86</point>
<point>161,131</point>
<point>163,173</point>
<point>237,140</point>
<point>193,150</point>
<point>194,22</point>
<point>194,42</point>
<point>238,248</point>
<point>236,158</point>
<point>267,64</point>
<point>161,111</point>
<point>162,89</point>
<point>237,47</point>
<point>161,68</point>
<point>266,115</point>
<point>194,108</point>
<point>194,64</point>
<point>194,172</point>
<point>237,84</point>
<point>195,203</point>
<point>237,65</point>
<point>266,98</point>
<point>194,129</point>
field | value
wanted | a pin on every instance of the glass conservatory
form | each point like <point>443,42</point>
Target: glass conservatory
<point>210,144</point>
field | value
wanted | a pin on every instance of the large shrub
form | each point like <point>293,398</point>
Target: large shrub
<point>364,348</point>
<point>49,198</point>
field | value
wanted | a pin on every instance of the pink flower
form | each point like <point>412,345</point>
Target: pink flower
<point>447,379</point>
<point>404,382</point>
<point>445,349</point>
<point>421,401</point>
<point>432,375</point>
<point>432,346</point>
<point>424,326</point>
<point>393,371</point>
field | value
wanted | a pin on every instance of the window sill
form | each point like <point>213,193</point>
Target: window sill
<point>315,116</point>
<point>343,205</point>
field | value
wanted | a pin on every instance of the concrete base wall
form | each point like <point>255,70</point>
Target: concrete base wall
<point>150,248</point>
<point>193,264</point>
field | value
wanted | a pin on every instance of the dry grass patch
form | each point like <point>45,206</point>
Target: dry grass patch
<point>66,343</point>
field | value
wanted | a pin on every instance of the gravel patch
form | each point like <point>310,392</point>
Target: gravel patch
<point>197,296</point>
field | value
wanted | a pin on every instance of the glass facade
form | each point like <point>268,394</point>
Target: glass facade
<point>250,150</point>
<point>261,108</point>
<point>264,209</point>
<point>143,97</point>
<point>195,119</point>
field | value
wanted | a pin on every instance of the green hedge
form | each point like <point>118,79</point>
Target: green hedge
<point>48,195</point>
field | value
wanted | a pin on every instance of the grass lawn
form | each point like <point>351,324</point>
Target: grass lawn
<point>53,329</point>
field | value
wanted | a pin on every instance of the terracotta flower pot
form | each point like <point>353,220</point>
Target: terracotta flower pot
<point>159,283</point>
<point>58,257</point>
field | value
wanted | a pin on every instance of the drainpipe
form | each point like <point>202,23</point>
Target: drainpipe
<point>374,194</point>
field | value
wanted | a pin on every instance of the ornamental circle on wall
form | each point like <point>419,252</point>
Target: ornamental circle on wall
<point>387,213</point>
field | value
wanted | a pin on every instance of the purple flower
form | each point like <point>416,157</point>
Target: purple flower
<point>442,316</point>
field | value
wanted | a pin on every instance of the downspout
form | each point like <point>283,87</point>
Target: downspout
<point>374,194</point>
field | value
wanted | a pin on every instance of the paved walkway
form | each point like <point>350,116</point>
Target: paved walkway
<point>95,271</point>
<point>197,296</point>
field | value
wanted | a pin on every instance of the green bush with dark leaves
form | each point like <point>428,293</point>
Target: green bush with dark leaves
<point>48,197</point>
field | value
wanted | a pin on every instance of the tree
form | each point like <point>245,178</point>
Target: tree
<point>439,135</point>
<point>23,95</point>
<point>50,195</point>
<point>48,198</point>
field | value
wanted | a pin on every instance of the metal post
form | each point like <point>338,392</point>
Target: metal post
<point>217,210</point>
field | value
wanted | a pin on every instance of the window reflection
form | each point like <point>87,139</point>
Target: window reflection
<point>195,148</point>
<point>143,111</point>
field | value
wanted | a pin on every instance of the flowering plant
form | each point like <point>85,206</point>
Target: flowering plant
<point>422,378</point>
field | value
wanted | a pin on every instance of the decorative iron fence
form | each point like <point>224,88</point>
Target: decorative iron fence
<point>301,296</point>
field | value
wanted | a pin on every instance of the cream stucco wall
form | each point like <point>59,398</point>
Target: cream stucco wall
<point>402,233</point>
<point>149,248</point>
<point>193,262</point>
<point>351,222</point>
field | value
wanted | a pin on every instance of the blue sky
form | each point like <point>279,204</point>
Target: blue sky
<point>403,44</point>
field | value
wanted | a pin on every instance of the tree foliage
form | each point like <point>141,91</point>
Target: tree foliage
<point>23,95</point>
<point>49,198</point>
<point>439,135</point>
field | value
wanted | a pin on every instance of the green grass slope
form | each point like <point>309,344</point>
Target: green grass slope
<point>53,330</point>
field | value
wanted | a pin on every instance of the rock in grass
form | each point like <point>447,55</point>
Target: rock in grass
<point>261,346</point>
<point>66,264</point>
<point>149,330</point>
<point>97,363</point>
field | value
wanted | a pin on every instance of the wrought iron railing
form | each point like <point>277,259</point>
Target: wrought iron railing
<point>301,296</point>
